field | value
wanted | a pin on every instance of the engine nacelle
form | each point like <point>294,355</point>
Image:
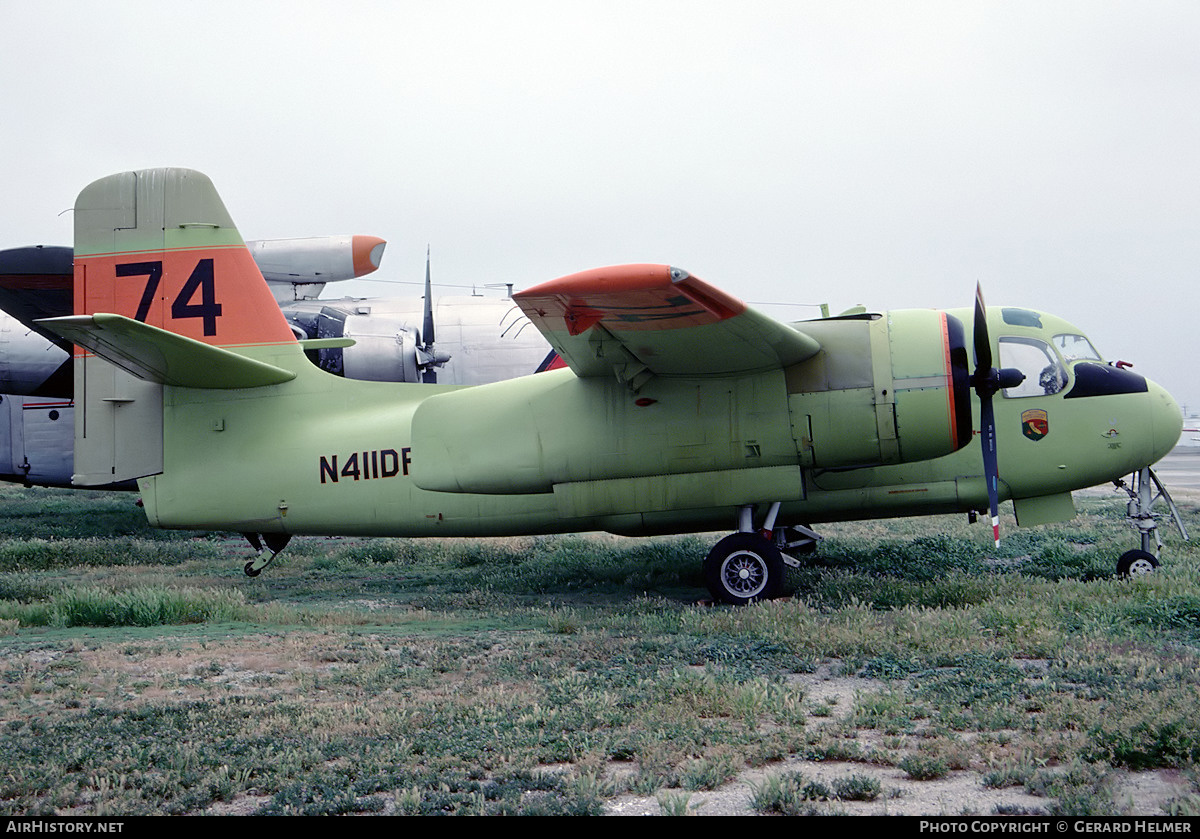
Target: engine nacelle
<point>892,388</point>
<point>384,350</point>
<point>305,265</point>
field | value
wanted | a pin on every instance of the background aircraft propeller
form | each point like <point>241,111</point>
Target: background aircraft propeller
<point>987,380</point>
<point>427,357</point>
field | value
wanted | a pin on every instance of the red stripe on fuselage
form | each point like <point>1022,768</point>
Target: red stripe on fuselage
<point>954,441</point>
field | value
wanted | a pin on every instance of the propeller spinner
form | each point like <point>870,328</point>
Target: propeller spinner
<point>987,381</point>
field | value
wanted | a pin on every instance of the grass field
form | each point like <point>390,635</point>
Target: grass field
<point>144,673</point>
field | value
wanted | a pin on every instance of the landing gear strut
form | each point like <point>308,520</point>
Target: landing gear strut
<point>748,566</point>
<point>276,542</point>
<point>1144,490</point>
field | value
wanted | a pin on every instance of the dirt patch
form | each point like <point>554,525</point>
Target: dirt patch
<point>958,793</point>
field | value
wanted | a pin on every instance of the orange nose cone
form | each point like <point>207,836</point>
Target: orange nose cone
<point>368,253</point>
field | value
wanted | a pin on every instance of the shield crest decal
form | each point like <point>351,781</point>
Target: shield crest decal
<point>1035,424</point>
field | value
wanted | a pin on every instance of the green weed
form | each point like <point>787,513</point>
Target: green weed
<point>143,606</point>
<point>144,673</point>
<point>924,767</point>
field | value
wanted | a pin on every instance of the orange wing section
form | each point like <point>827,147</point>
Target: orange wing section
<point>639,321</point>
<point>626,297</point>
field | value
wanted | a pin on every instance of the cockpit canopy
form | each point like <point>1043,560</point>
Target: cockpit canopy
<point>1067,361</point>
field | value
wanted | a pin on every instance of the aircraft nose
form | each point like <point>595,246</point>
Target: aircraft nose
<point>1166,421</point>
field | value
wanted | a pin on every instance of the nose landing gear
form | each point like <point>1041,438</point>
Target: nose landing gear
<point>1145,490</point>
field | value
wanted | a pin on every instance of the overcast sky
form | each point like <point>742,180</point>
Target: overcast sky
<point>884,153</point>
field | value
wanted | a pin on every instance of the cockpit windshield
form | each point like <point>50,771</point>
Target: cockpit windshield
<point>1075,348</point>
<point>1044,374</point>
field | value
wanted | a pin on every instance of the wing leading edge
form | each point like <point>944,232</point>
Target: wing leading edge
<point>639,321</point>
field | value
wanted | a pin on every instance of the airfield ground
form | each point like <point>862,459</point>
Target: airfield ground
<point>915,670</point>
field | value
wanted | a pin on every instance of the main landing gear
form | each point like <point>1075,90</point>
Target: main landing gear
<point>748,566</point>
<point>1145,490</point>
<point>276,542</point>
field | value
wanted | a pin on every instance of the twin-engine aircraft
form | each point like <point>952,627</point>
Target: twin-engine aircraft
<point>683,410</point>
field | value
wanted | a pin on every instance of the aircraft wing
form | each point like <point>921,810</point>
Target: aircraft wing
<point>638,321</point>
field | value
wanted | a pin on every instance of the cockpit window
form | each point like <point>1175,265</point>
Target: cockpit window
<point>1022,317</point>
<point>1044,374</point>
<point>1076,347</point>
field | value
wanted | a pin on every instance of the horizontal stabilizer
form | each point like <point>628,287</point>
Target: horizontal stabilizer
<point>164,357</point>
<point>326,343</point>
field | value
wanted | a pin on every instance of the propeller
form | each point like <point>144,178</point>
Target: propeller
<point>987,381</point>
<point>427,357</point>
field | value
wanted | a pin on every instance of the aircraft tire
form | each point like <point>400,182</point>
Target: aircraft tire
<point>744,568</point>
<point>1135,563</point>
<point>251,571</point>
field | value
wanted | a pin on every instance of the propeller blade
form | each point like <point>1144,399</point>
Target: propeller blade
<point>429,376</point>
<point>987,382</point>
<point>427,326</point>
<point>983,344</point>
<point>991,470</point>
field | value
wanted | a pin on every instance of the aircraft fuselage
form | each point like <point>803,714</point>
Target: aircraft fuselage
<point>557,453</point>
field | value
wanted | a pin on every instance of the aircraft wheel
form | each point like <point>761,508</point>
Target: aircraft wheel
<point>251,571</point>
<point>744,568</point>
<point>1135,563</point>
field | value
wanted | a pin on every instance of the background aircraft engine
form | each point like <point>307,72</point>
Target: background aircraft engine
<point>892,388</point>
<point>384,350</point>
<point>297,269</point>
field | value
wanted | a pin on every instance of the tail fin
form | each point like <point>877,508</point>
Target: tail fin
<point>158,246</point>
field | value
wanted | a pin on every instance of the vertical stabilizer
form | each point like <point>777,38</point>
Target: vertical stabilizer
<point>158,246</point>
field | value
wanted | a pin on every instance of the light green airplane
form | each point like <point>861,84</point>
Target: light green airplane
<point>680,409</point>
